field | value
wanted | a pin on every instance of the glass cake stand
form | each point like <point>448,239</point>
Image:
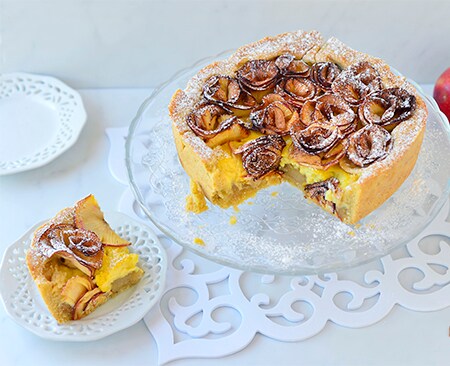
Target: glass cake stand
<point>278,231</point>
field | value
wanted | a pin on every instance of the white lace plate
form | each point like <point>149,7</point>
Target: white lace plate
<point>24,304</point>
<point>40,118</point>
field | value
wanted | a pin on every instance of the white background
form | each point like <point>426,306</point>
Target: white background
<point>141,43</point>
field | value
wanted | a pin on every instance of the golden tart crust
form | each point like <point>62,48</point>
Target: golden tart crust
<point>215,173</point>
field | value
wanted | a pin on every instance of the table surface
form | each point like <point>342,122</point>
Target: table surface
<point>402,338</point>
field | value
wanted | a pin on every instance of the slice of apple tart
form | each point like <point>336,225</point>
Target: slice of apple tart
<point>78,262</point>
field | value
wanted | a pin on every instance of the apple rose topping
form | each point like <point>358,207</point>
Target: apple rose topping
<point>258,75</point>
<point>80,247</point>
<point>318,137</point>
<point>329,109</point>
<point>291,67</point>
<point>317,191</point>
<point>208,120</point>
<point>319,145</point>
<point>274,116</point>
<point>262,155</point>
<point>358,81</point>
<point>324,73</point>
<point>369,144</point>
<point>387,107</point>
<point>296,90</point>
<point>226,91</point>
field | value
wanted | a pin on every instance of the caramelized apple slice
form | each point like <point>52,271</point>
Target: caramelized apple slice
<point>262,155</point>
<point>82,303</point>
<point>89,216</point>
<point>324,73</point>
<point>258,75</point>
<point>233,133</point>
<point>290,67</point>
<point>69,260</point>
<point>226,92</point>
<point>316,192</point>
<point>75,288</point>
<point>275,116</point>
<point>96,301</point>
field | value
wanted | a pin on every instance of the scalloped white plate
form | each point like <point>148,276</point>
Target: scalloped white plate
<point>40,118</point>
<point>24,304</point>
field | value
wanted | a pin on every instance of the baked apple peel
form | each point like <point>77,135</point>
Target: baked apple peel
<point>318,146</point>
<point>387,107</point>
<point>296,90</point>
<point>83,302</point>
<point>289,66</point>
<point>75,288</point>
<point>209,119</point>
<point>369,144</point>
<point>356,82</point>
<point>258,75</point>
<point>329,109</point>
<point>262,155</point>
<point>274,116</point>
<point>324,73</point>
<point>226,92</point>
<point>317,192</point>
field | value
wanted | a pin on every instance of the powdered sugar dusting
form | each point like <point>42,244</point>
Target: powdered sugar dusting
<point>199,146</point>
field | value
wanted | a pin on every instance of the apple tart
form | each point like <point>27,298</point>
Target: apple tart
<point>78,262</point>
<point>334,122</point>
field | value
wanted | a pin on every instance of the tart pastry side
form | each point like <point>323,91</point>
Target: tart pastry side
<point>336,123</point>
<point>78,262</point>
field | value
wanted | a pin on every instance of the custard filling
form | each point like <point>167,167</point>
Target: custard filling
<point>233,174</point>
<point>117,263</point>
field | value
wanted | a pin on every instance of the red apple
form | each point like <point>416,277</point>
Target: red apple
<point>442,92</point>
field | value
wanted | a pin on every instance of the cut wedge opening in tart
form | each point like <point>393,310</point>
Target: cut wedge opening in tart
<point>334,122</point>
<point>78,262</point>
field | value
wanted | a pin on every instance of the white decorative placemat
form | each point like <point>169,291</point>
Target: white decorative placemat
<point>209,310</point>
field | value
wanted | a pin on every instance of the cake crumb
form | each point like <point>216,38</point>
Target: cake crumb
<point>236,208</point>
<point>233,220</point>
<point>250,203</point>
<point>196,201</point>
<point>199,241</point>
<point>274,194</point>
<point>351,233</point>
